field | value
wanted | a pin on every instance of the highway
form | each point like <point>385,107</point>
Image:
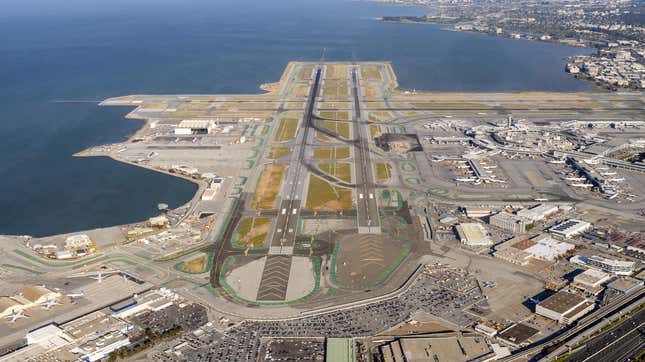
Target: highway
<point>619,344</point>
<point>589,321</point>
<point>366,204</point>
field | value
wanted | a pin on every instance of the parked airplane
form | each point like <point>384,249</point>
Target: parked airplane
<point>76,295</point>
<point>581,185</point>
<point>15,316</point>
<point>50,304</point>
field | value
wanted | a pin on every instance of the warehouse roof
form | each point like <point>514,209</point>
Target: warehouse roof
<point>562,301</point>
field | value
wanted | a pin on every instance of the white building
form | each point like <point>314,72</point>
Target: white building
<point>473,234</point>
<point>79,241</point>
<point>564,307</point>
<point>549,249</point>
<point>195,126</point>
<point>538,212</point>
<point>591,280</point>
<point>619,267</point>
<point>570,228</point>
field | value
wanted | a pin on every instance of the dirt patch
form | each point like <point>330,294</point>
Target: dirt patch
<point>268,187</point>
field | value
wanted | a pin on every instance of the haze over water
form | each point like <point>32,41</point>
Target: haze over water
<point>90,50</point>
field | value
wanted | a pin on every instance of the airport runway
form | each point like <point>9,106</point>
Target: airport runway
<point>275,276</point>
<point>367,215</point>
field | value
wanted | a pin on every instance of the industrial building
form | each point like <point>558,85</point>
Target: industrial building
<point>521,251</point>
<point>476,212</point>
<point>564,307</point>
<point>570,228</point>
<point>591,281</point>
<point>473,234</point>
<point>78,242</point>
<point>538,212</point>
<point>437,347</point>
<point>510,222</point>
<point>625,286</point>
<point>195,127</point>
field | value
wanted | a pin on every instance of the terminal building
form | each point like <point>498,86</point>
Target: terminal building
<point>473,234</point>
<point>613,266</point>
<point>564,307</point>
<point>570,228</point>
<point>619,267</point>
<point>510,222</point>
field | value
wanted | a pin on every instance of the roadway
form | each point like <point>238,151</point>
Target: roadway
<point>619,344</point>
<point>551,343</point>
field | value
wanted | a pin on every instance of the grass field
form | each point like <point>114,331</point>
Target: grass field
<point>305,72</point>
<point>375,131</point>
<point>194,106</point>
<point>379,116</point>
<point>336,71</point>
<point>340,170</point>
<point>370,72</point>
<point>268,187</point>
<point>195,265</point>
<point>277,152</point>
<point>371,92</point>
<point>323,196</point>
<point>335,105</point>
<point>340,128</point>
<point>287,129</point>
<point>335,91</point>
<point>331,153</point>
<point>383,171</point>
<point>252,232</point>
<point>299,90</point>
<point>322,137</point>
<point>337,115</point>
<point>449,105</point>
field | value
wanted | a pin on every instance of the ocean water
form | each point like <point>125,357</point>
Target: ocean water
<point>57,59</point>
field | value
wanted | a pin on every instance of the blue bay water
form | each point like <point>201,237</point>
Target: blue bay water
<point>91,50</point>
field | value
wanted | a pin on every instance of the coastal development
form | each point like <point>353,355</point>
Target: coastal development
<point>614,28</point>
<point>341,218</point>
